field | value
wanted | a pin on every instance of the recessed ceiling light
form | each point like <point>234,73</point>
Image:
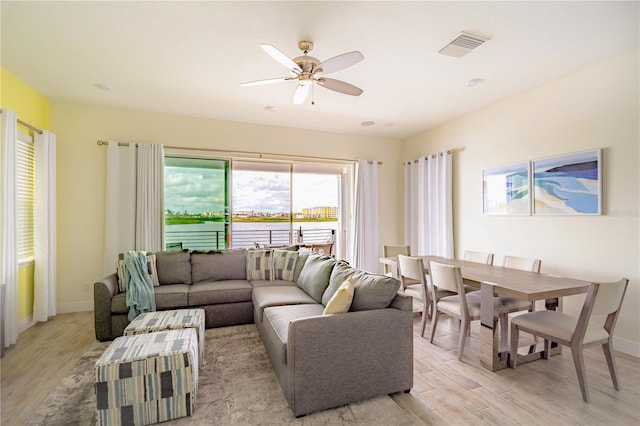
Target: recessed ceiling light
<point>103,86</point>
<point>475,81</point>
<point>367,123</point>
<point>270,108</point>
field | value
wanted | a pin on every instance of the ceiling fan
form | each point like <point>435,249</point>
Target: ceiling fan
<point>307,70</point>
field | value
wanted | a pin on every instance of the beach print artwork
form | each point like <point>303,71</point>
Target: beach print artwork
<point>506,190</point>
<point>569,184</point>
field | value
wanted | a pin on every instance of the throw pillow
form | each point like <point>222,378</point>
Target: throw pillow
<point>284,264</point>
<point>314,277</point>
<point>123,276</point>
<point>340,272</point>
<point>373,291</point>
<point>260,265</point>
<point>341,300</point>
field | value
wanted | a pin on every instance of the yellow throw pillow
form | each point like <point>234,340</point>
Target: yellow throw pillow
<point>341,300</point>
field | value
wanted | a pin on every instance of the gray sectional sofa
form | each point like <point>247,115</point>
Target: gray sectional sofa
<point>321,361</point>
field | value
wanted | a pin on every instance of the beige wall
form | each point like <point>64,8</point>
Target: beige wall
<point>595,108</point>
<point>81,174</point>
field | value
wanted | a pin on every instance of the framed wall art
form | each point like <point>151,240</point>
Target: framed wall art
<point>506,190</point>
<point>568,184</point>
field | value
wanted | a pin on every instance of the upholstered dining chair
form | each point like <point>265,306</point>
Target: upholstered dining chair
<point>415,284</point>
<point>394,251</point>
<point>577,332</point>
<point>462,306</point>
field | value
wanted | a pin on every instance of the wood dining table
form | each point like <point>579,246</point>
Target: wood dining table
<point>497,280</point>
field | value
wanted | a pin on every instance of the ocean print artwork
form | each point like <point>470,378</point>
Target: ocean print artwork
<point>568,184</point>
<point>506,190</point>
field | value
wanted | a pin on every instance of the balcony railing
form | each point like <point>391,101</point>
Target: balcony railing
<point>215,240</point>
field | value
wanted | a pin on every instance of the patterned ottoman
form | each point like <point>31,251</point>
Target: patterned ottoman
<point>151,322</point>
<point>148,378</point>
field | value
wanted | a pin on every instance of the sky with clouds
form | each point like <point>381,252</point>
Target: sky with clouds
<point>199,190</point>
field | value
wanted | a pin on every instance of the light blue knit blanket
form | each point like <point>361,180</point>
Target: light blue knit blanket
<point>140,295</point>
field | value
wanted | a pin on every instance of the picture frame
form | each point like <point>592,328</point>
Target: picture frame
<point>568,184</point>
<point>506,190</point>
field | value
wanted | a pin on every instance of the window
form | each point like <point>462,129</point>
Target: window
<point>25,174</point>
<point>214,204</point>
<point>196,203</point>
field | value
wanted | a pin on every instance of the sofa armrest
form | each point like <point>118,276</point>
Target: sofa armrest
<point>337,359</point>
<point>103,292</point>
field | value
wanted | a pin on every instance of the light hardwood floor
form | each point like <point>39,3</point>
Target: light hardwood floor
<point>446,391</point>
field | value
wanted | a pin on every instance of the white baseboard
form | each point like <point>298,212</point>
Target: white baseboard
<point>25,324</point>
<point>626,346</point>
<point>65,308</point>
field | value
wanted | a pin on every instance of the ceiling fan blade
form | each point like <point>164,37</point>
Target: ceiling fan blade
<point>263,82</point>
<point>340,86</point>
<point>301,93</point>
<point>340,62</point>
<point>281,57</point>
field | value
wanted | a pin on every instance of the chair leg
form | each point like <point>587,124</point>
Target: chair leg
<point>611,363</point>
<point>434,323</point>
<point>425,309</point>
<point>464,327</point>
<point>578,360</point>
<point>513,353</point>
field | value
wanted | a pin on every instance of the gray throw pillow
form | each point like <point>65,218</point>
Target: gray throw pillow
<point>340,273</point>
<point>174,267</point>
<point>373,291</point>
<point>314,277</point>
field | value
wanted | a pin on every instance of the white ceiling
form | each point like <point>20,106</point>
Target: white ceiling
<point>188,58</point>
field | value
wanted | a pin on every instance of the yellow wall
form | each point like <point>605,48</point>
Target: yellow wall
<point>34,109</point>
<point>595,108</point>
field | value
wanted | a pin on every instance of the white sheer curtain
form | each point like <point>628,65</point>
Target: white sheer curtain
<point>134,205</point>
<point>8,228</point>
<point>44,297</point>
<point>365,250</point>
<point>429,205</point>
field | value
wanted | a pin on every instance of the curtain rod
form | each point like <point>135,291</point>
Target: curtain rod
<point>229,151</point>
<point>27,125</point>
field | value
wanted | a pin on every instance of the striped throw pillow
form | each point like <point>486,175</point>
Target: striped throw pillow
<point>123,276</point>
<point>284,264</point>
<point>260,265</point>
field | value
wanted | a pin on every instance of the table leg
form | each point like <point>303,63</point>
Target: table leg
<point>490,356</point>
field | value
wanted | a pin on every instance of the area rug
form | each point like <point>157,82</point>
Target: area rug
<point>237,386</point>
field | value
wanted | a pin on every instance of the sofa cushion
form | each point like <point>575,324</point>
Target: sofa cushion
<point>219,265</point>
<point>314,277</point>
<point>123,275</point>
<point>339,274</point>
<point>303,255</point>
<point>172,296</point>
<point>264,297</point>
<point>373,291</point>
<point>277,318</point>
<point>284,264</point>
<point>174,267</point>
<point>265,283</point>
<point>340,302</point>
<point>216,292</point>
<point>259,265</point>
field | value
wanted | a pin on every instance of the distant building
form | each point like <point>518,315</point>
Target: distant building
<point>320,213</point>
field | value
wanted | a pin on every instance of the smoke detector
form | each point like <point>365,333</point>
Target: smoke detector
<point>462,45</point>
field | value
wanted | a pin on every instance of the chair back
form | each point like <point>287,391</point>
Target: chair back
<point>522,263</point>
<point>602,299</point>
<point>411,268</point>
<point>446,277</point>
<point>393,251</point>
<point>478,257</point>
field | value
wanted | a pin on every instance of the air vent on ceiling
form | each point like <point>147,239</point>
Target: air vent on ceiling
<point>462,44</point>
